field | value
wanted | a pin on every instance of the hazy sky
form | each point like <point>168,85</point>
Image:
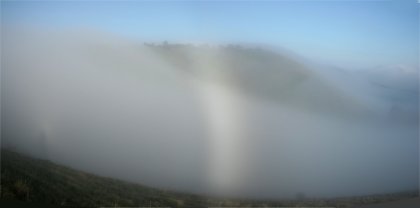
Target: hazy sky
<point>351,34</point>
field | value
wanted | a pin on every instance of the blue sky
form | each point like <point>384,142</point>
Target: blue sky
<point>351,34</point>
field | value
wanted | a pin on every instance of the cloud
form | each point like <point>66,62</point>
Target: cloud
<point>206,120</point>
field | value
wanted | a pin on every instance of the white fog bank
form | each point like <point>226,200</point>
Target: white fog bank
<point>208,120</point>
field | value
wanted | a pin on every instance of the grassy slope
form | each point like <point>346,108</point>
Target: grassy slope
<point>35,180</point>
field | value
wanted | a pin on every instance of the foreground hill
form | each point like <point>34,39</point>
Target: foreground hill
<point>34,180</point>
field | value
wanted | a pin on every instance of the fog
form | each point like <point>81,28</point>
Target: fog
<point>208,120</point>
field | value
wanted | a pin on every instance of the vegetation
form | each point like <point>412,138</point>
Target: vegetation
<point>34,180</point>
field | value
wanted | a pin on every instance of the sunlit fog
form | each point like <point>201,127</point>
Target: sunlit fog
<point>219,118</point>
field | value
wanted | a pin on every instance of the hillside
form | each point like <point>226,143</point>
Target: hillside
<point>265,74</point>
<point>33,180</point>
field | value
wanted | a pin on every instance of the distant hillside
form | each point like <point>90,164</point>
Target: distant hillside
<point>33,180</point>
<point>264,73</point>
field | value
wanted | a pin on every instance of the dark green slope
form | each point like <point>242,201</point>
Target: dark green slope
<point>39,181</point>
<point>35,180</point>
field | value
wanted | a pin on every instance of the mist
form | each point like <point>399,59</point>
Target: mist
<point>208,120</point>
